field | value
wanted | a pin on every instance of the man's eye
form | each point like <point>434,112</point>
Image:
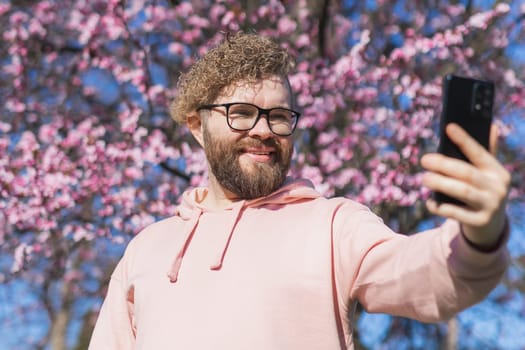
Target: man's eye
<point>241,112</point>
<point>281,116</point>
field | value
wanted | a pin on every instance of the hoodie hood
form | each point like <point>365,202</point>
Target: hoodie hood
<point>192,207</point>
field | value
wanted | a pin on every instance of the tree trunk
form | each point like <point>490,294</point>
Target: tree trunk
<point>58,330</point>
<point>452,334</point>
<point>61,318</point>
<point>86,330</point>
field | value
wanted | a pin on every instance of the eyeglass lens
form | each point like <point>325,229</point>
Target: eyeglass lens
<point>244,116</point>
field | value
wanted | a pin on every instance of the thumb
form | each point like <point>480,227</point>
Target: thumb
<point>493,139</point>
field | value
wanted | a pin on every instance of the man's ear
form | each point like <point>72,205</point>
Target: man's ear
<point>194,123</point>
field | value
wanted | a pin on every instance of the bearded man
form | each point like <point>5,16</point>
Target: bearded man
<point>256,260</point>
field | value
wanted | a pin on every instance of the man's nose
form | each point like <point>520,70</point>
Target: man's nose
<point>261,128</point>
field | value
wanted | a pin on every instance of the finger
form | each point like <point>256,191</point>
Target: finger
<point>495,180</point>
<point>464,215</point>
<point>462,181</point>
<point>475,152</point>
<point>473,197</point>
<point>454,168</point>
<point>494,136</point>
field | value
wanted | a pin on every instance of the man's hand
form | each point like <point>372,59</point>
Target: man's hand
<point>483,186</point>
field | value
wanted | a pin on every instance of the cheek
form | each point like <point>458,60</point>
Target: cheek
<point>287,146</point>
<point>215,132</point>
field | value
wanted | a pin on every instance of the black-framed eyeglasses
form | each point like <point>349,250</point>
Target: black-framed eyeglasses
<point>244,116</point>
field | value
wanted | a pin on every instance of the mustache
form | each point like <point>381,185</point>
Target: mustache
<point>252,142</point>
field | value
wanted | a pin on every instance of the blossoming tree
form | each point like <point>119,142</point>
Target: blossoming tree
<point>89,154</point>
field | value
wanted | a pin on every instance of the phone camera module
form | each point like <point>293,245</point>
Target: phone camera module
<point>482,100</point>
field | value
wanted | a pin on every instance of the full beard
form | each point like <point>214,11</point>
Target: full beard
<point>261,180</point>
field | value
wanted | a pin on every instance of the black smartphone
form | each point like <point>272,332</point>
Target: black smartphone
<point>467,102</point>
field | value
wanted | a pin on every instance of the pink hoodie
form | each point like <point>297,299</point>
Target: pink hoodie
<point>282,272</point>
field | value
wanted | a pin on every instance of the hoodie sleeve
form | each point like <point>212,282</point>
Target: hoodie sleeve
<point>429,276</point>
<point>115,325</point>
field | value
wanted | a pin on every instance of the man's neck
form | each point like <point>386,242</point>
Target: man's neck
<point>217,197</point>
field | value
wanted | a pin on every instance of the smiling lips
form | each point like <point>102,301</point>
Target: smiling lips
<point>259,154</point>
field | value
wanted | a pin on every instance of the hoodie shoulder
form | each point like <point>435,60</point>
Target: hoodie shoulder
<point>158,230</point>
<point>342,203</point>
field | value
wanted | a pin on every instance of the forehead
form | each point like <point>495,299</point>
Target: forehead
<point>272,90</point>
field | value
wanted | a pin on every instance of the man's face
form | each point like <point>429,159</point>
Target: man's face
<point>253,163</point>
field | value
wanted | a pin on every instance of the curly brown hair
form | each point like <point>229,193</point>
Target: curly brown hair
<point>239,57</point>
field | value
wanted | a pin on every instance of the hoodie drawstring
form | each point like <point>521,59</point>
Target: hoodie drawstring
<point>191,224</point>
<point>189,229</point>
<point>219,258</point>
